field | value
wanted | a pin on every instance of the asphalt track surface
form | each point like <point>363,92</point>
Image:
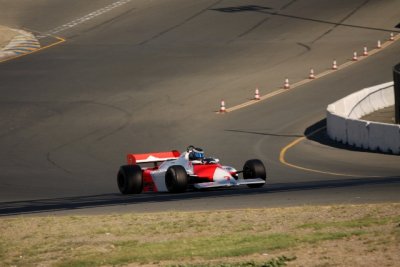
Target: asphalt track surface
<point>149,75</point>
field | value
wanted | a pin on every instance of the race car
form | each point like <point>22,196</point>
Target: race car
<point>177,172</point>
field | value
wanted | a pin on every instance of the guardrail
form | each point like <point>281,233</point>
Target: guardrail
<point>396,79</point>
<point>344,124</point>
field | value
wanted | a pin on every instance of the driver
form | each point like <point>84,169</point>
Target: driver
<point>196,154</point>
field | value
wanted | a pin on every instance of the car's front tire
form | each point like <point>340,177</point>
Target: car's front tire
<point>130,179</point>
<point>176,179</point>
<point>254,168</point>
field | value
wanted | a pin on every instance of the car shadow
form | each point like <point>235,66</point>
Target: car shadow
<point>114,199</point>
<point>263,133</point>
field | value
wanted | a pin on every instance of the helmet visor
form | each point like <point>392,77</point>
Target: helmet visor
<point>198,155</point>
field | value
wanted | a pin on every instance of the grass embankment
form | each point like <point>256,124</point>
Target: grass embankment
<point>352,235</point>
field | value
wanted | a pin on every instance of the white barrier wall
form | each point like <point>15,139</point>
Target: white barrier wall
<point>343,122</point>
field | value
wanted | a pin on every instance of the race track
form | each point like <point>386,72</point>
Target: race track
<point>145,76</point>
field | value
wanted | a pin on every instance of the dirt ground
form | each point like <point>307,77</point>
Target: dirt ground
<point>6,34</point>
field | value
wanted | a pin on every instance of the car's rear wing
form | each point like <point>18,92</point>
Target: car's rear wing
<point>152,157</point>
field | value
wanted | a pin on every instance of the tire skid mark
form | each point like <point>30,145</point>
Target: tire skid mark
<point>265,20</point>
<point>334,24</point>
<point>55,112</point>
<point>110,21</point>
<point>75,140</point>
<point>252,28</point>
<point>128,117</point>
<point>52,162</point>
<point>305,46</point>
<point>41,104</point>
<point>341,21</point>
<point>288,5</point>
<point>180,24</point>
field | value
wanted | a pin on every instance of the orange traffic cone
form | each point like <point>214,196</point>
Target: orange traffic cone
<point>311,76</point>
<point>365,53</point>
<point>257,94</point>
<point>222,107</point>
<point>286,85</point>
<point>355,58</point>
<point>334,65</point>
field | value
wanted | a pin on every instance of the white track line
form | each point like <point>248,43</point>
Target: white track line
<point>85,18</point>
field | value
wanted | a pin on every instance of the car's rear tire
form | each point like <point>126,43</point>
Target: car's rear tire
<point>254,168</point>
<point>176,179</point>
<point>130,179</point>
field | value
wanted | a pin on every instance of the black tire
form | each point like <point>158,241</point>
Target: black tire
<point>176,179</point>
<point>130,179</point>
<point>254,168</point>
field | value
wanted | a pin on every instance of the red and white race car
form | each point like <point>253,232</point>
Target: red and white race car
<point>176,172</point>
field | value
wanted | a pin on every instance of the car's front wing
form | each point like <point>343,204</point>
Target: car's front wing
<point>229,183</point>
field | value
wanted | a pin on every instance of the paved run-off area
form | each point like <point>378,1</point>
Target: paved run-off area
<point>385,115</point>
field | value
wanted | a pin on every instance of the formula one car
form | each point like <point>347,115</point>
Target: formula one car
<point>177,172</point>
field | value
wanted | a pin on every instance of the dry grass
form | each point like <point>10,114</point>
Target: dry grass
<point>350,235</point>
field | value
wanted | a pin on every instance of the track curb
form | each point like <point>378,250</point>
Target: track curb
<point>23,43</point>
